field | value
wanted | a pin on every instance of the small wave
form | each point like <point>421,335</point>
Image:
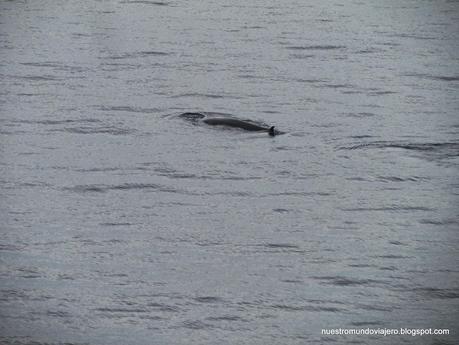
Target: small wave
<point>31,94</point>
<point>58,313</point>
<point>248,76</point>
<point>80,34</point>
<point>105,188</point>
<point>121,310</point>
<point>397,243</point>
<point>366,323</point>
<point>293,193</point>
<point>40,77</point>
<point>153,52</point>
<point>312,81</point>
<point>145,2</point>
<point>196,324</point>
<point>294,308</point>
<point>392,256</point>
<point>230,318</point>
<point>137,55</point>
<point>361,265</point>
<point>193,117</point>
<point>205,95</point>
<point>280,210</point>
<point>128,109</point>
<point>417,37</point>
<point>208,299</point>
<point>344,281</point>
<point>447,78</point>
<point>51,64</point>
<point>109,67</point>
<point>360,136</point>
<point>316,47</point>
<point>33,184</point>
<point>208,243</point>
<point>399,179</point>
<point>288,307</point>
<point>438,293</point>
<point>388,268</point>
<point>97,130</point>
<point>56,66</point>
<point>29,273</point>
<point>101,188</point>
<point>336,86</point>
<point>115,224</point>
<point>98,169</point>
<point>368,51</point>
<point>65,277</point>
<point>232,193</point>
<point>361,115</point>
<point>439,222</point>
<point>302,56</point>
<point>12,295</point>
<point>10,247</point>
<point>56,122</point>
<point>381,93</point>
<point>394,208</point>
<point>281,246</point>
<point>164,307</point>
<point>292,281</point>
<point>374,307</point>
<point>452,147</point>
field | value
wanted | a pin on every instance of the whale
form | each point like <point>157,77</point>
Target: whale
<point>230,122</point>
<point>235,123</point>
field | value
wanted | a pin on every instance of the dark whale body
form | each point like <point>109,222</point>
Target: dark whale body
<point>229,122</point>
<point>235,123</point>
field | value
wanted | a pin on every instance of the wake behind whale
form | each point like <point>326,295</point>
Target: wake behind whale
<point>215,119</point>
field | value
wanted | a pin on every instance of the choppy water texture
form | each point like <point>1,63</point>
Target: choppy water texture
<point>122,223</point>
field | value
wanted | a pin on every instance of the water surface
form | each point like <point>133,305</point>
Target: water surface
<point>124,224</point>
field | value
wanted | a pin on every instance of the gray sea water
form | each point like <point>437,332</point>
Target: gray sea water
<point>123,223</point>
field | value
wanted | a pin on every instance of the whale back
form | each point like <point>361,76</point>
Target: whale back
<point>221,119</point>
<point>234,123</point>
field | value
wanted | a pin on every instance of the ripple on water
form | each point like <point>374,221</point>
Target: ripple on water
<point>366,323</point>
<point>399,179</point>
<point>54,122</point>
<point>112,130</point>
<point>145,2</point>
<point>439,222</point>
<point>392,208</point>
<point>208,299</point>
<point>360,115</point>
<point>140,54</point>
<point>445,78</point>
<point>196,324</point>
<point>127,109</point>
<point>118,311</point>
<point>163,307</point>
<point>345,281</point>
<point>10,247</point>
<point>436,293</point>
<point>313,308</point>
<point>281,246</point>
<point>102,188</point>
<point>316,47</point>
<point>229,318</point>
<point>448,148</point>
